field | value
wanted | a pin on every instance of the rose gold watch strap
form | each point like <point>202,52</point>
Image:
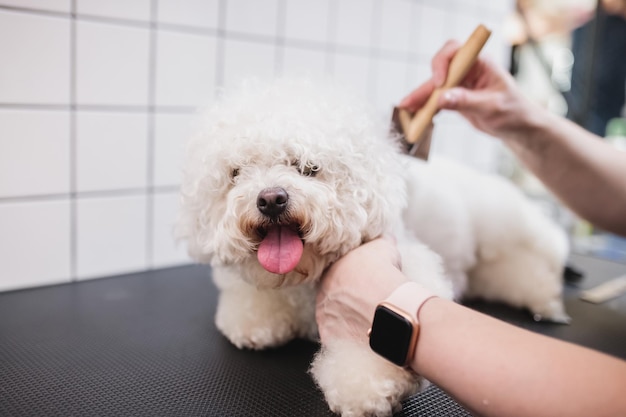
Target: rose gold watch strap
<point>410,297</point>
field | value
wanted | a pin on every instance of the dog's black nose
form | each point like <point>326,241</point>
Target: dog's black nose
<point>272,201</point>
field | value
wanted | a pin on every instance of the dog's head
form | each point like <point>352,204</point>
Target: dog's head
<point>286,177</point>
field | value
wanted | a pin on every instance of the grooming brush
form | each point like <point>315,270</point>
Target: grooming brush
<point>416,130</point>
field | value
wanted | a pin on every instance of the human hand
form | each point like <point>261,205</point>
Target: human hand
<point>352,288</point>
<point>487,96</point>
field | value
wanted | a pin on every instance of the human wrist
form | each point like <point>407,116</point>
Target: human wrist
<point>396,326</point>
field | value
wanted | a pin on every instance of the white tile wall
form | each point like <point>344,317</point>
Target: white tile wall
<point>244,59</point>
<point>307,20</point>
<point>111,143</point>
<point>360,15</point>
<point>111,64</point>
<point>34,152</point>
<point>166,251</point>
<point>111,235</point>
<point>304,62</point>
<point>51,5</point>
<point>258,17</point>
<point>353,71</point>
<point>97,99</point>
<point>391,84</point>
<point>122,9</point>
<point>395,25</point>
<point>185,69</point>
<point>34,243</point>
<point>197,13</point>
<point>38,71</point>
<point>170,134</point>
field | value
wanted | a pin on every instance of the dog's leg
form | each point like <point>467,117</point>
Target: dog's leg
<point>260,318</point>
<point>357,382</point>
<point>522,279</point>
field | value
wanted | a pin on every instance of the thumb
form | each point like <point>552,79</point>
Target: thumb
<point>462,99</point>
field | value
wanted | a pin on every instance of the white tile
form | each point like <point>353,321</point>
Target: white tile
<point>111,150</point>
<point>112,64</point>
<point>304,62</point>
<point>451,137</point>
<point>35,152</point>
<point>199,13</point>
<point>255,17</point>
<point>464,25</point>
<point>111,236</point>
<point>123,9</point>
<point>354,22</point>
<point>308,20</point>
<point>185,74</point>
<point>432,30</point>
<point>35,55</point>
<point>502,7</point>
<point>497,49</point>
<point>34,243</point>
<point>418,74</point>
<point>390,84</point>
<point>395,21</point>
<point>484,152</point>
<point>353,72</point>
<point>171,134</point>
<point>52,5</point>
<point>166,250</point>
<point>247,59</point>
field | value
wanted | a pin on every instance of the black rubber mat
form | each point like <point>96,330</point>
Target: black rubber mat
<point>145,345</point>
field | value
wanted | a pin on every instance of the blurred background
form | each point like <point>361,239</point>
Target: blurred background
<point>97,99</point>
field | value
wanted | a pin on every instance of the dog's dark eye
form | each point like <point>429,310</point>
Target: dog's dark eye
<point>233,173</point>
<point>308,170</point>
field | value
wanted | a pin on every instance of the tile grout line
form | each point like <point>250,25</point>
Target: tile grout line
<point>113,108</point>
<point>279,39</point>
<point>150,224</point>
<point>373,54</point>
<point>132,192</point>
<point>73,151</point>
<point>331,35</point>
<point>221,32</point>
<point>220,47</point>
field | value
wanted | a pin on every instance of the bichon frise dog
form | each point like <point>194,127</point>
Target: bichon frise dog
<point>286,177</point>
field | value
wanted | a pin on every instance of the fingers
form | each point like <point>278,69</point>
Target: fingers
<point>441,62</point>
<point>464,100</point>
<point>416,99</point>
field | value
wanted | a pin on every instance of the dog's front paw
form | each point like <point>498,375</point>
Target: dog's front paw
<point>259,319</point>
<point>356,382</point>
<point>248,332</point>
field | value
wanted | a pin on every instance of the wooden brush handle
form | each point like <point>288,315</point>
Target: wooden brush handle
<point>459,66</point>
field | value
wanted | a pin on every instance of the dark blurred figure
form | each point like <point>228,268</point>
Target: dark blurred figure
<point>599,72</point>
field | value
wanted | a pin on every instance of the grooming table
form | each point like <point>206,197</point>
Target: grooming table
<point>145,345</point>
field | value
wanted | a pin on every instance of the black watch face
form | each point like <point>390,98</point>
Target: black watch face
<point>391,335</point>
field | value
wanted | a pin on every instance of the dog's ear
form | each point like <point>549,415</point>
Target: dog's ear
<point>384,210</point>
<point>386,191</point>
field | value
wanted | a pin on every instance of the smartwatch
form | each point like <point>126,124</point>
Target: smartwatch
<point>395,327</point>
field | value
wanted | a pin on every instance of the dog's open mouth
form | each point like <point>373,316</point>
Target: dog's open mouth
<point>280,249</point>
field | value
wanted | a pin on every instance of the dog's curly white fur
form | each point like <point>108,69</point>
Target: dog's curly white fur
<point>342,182</point>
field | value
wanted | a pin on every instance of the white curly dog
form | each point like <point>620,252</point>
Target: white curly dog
<point>285,177</point>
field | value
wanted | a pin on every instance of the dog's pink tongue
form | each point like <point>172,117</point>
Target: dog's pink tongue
<point>280,250</point>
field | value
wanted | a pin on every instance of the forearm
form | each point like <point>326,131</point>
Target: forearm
<point>496,369</point>
<point>582,170</point>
